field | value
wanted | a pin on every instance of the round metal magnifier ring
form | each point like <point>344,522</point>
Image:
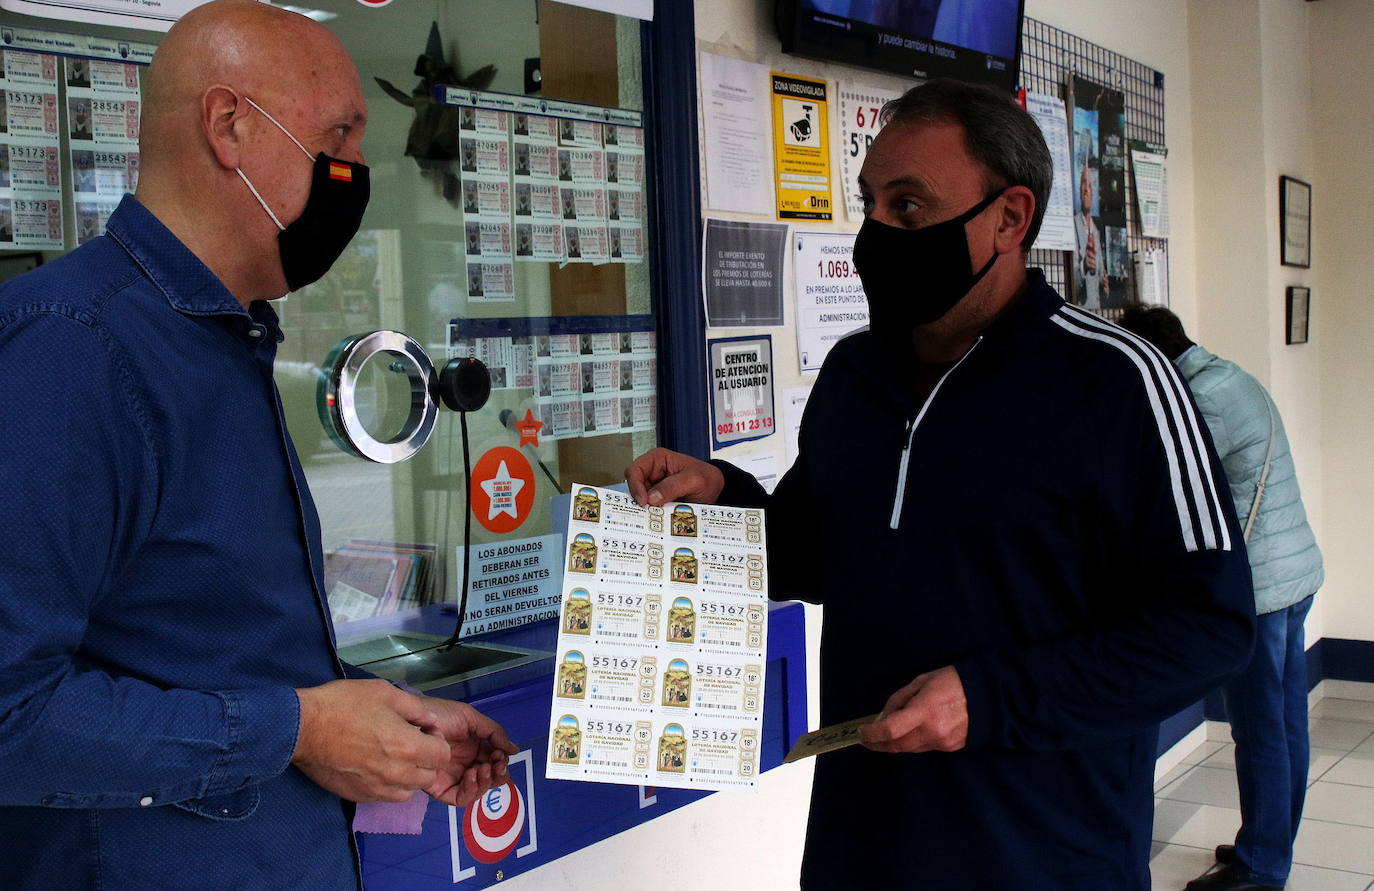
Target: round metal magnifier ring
<point>337,393</point>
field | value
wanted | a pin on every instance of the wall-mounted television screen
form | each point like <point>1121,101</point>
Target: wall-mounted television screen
<point>974,40</point>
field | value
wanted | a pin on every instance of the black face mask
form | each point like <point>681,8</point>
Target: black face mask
<point>339,192</point>
<point>915,276</point>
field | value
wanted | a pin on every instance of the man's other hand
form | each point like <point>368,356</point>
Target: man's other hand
<point>368,741</point>
<point>659,476</point>
<point>478,752</point>
<point>928,714</point>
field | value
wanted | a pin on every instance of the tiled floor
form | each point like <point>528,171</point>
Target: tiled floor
<point>1196,807</point>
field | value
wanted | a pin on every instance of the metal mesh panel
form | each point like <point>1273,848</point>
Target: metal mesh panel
<point>1048,57</point>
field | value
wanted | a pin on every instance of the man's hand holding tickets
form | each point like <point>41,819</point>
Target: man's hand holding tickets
<point>928,714</point>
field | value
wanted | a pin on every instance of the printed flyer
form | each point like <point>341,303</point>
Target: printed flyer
<point>741,389</point>
<point>831,303</point>
<point>661,645</point>
<point>860,113</point>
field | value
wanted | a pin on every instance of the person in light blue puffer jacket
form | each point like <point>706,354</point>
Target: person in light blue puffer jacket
<point>1267,702</point>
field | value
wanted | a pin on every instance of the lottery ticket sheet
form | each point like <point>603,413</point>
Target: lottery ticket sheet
<point>661,642</point>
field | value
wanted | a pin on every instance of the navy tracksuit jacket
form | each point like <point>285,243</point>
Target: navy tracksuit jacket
<point>1053,521</point>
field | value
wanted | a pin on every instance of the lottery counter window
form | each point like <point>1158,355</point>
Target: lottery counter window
<point>469,246</point>
<point>559,309</point>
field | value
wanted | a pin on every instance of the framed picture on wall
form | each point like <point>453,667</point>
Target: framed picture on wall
<point>1295,221</point>
<point>1298,314</point>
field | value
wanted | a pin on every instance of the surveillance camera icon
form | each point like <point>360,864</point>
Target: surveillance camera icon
<point>801,130</point>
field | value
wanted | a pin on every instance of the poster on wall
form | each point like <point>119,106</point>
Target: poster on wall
<point>662,638</point>
<point>1057,227</point>
<point>1150,175</point>
<point>514,581</point>
<point>1152,276</point>
<point>860,111</point>
<point>30,174</point>
<point>1102,261</point>
<point>741,389</point>
<point>801,148</point>
<point>734,103</point>
<point>742,264</point>
<point>830,297</point>
<point>103,102</point>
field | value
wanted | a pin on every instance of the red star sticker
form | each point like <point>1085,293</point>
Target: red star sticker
<point>529,429</point>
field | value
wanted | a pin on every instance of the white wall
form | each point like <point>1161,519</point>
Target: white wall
<point>1295,379</point>
<point>1253,119</point>
<point>1343,322</point>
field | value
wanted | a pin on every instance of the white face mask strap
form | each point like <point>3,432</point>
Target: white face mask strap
<point>259,197</point>
<point>280,127</point>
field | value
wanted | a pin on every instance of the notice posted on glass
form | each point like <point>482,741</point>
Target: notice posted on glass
<point>662,640</point>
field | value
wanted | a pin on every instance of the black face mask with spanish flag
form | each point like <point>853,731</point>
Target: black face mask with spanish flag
<point>339,191</point>
<point>309,245</point>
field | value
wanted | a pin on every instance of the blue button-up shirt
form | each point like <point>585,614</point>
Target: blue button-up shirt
<point>160,584</point>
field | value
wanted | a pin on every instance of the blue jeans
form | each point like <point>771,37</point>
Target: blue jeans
<point>1267,707</point>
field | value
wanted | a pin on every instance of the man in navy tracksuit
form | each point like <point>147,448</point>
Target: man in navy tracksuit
<point>1017,524</point>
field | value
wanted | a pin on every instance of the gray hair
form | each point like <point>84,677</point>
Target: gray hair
<point>998,133</point>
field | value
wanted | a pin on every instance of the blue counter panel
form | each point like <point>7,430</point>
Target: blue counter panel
<point>532,820</point>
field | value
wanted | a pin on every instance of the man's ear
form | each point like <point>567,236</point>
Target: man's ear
<point>1018,208</point>
<point>222,111</point>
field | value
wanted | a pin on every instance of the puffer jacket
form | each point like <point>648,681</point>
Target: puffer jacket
<point>1284,558</point>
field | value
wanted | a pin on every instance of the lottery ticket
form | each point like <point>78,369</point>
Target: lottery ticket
<point>582,166</point>
<point>486,198</point>
<point>662,636</point>
<point>600,414</point>
<point>490,157</point>
<point>538,201</point>
<point>589,243</point>
<point>562,417</point>
<point>715,524</point>
<point>539,242</point>
<point>828,739</point>
<point>555,346</point>
<point>581,133</point>
<point>627,243</point>
<point>536,128</point>
<point>601,376</point>
<point>604,344</point>
<point>632,747</point>
<point>624,168</point>
<point>608,509</point>
<point>584,204</point>
<point>612,614</point>
<point>540,163</point>
<point>482,120</point>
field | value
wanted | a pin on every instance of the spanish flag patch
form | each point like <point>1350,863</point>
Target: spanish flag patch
<point>341,172</point>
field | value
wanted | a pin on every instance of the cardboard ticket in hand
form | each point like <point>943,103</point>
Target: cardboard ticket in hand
<point>827,739</point>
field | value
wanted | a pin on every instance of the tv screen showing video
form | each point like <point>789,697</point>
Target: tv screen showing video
<point>973,40</point>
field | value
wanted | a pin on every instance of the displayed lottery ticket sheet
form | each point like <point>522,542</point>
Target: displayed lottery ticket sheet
<point>661,642</point>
